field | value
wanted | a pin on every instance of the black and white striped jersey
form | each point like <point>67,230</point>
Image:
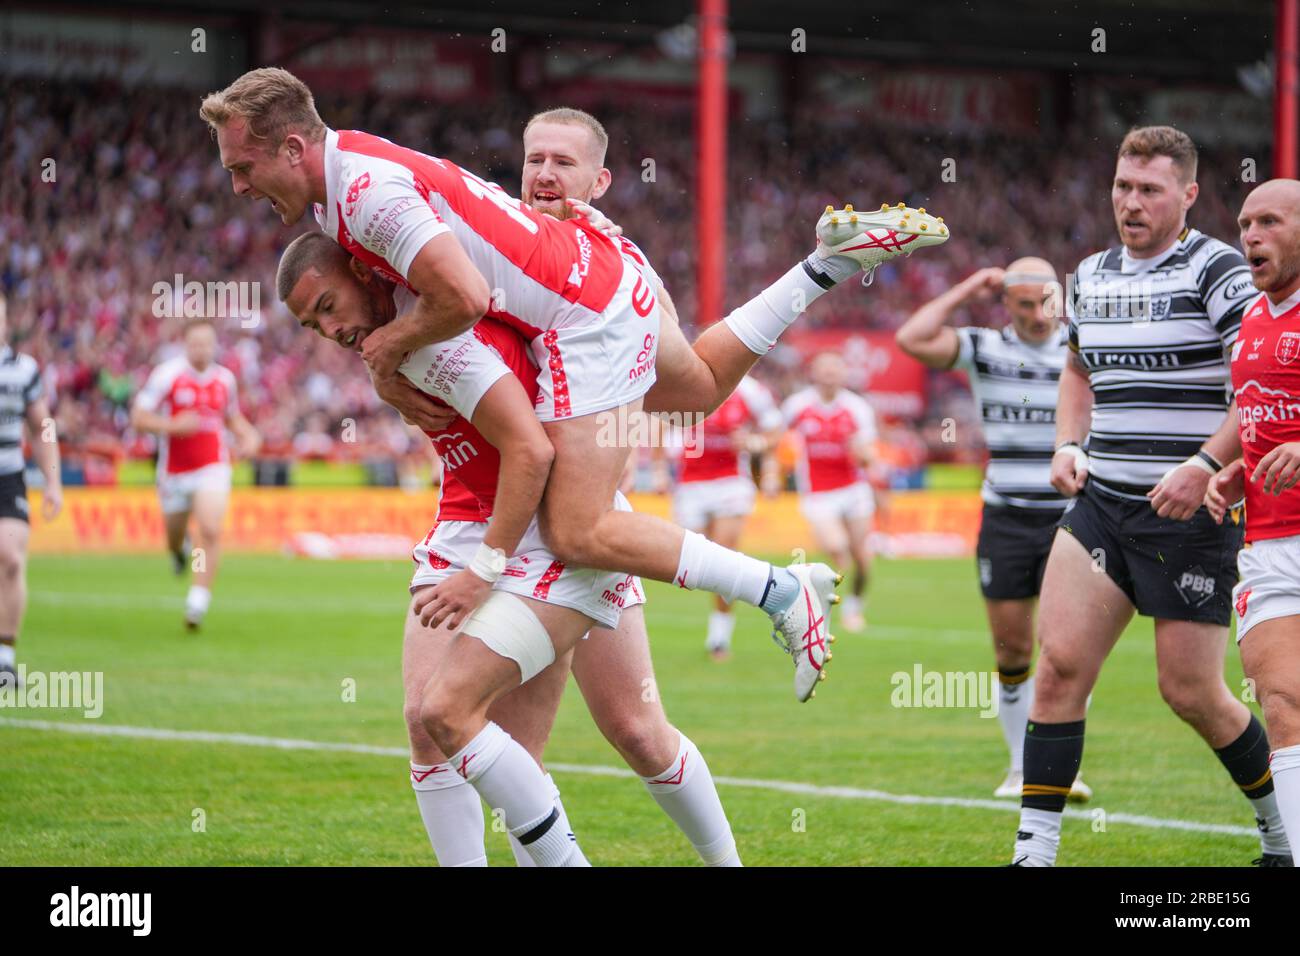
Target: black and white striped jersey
<point>20,385</point>
<point>1154,335</point>
<point>1015,385</point>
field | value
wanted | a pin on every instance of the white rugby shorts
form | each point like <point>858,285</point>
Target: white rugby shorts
<point>1269,587</point>
<point>696,503</point>
<point>533,572</point>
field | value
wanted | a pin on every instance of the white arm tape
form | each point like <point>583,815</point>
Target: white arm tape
<point>1195,461</point>
<point>483,563</point>
<point>509,627</point>
<point>1078,454</point>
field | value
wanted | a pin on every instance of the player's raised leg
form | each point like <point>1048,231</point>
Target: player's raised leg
<point>581,529</point>
<point>697,378</point>
<point>1080,617</point>
<point>1189,663</point>
<point>616,676</point>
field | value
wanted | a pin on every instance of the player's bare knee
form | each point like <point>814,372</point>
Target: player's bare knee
<point>11,564</point>
<point>1058,679</point>
<point>1281,708</point>
<point>572,543</point>
<point>643,742</point>
<point>441,716</point>
<point>1186,698</point>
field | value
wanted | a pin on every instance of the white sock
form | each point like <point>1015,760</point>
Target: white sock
<point>506,777</point>
<point>852,605</point>
<point>730,574</point>
<point>1013,714</point>
<point>1285,764</point>
<point>197,601</point>
<point>1038,838</point>
<point>685,792</point>
<point>7,654</point>
<point>521,855</point>
<point>722,624</point>
<point>760,321</point>
<point>452,814</point>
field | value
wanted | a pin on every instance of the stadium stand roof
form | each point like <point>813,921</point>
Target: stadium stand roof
<point>1207,40</point>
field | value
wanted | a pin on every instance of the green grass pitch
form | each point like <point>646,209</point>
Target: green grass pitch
<point>284,635</point>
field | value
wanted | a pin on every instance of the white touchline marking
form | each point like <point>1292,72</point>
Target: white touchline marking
<point>781,786</point>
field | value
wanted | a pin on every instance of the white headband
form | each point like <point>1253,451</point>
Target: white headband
<point>1027,278</point>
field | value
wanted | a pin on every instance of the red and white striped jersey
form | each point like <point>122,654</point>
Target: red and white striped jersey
<point>828,433</point>
<point>1266,383</point>
<point>385,202</point>
<point>458,373</point>
<point>175,387</point>
<point>749,407</point>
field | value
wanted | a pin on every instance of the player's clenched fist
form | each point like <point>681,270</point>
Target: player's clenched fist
<point>1226,489</point>
<point>1069,469</point>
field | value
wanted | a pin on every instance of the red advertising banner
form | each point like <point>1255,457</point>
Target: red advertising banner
<point>893,382</point>
<point>402,63</point>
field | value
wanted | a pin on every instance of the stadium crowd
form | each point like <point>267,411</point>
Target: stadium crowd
<point>134,197</point>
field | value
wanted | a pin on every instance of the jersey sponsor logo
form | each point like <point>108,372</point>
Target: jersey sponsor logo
<point>1099,358</point>
<point>437,561</point>
<point>358,186</point>
<point>645,359</point>
<point>184,396</point>
<point>1277,405</point>
<point>618,595</point>
<point>1013,413</point>
<point>381,228</point>
<point>1099,300</point>
<point>643,298</point>
<point>446,368</point>
<point>1287,348</point>
<point>1195,586</point>
<point>1241,287</point>
<point>583,265</point>
<point>457,451</point>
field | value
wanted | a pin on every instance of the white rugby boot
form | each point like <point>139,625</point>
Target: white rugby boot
<point>803,629</point>
<point>870,238</point>
<point>1012,785</point>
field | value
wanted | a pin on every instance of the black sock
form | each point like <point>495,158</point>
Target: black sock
<point>1013,675</point>
<point>859,582</point>
<point>1246,760</point>
<point>1053,753</point>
